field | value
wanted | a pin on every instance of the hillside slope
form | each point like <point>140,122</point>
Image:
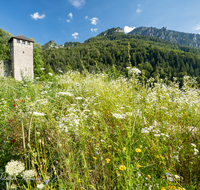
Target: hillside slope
<point>151,55</point>
<point>187,39</point>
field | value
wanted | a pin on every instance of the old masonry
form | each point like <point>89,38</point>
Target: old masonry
<point>21,59</point>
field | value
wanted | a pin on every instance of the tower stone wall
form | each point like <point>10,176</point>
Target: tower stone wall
<point>5,68</point>
<point>21,56</point>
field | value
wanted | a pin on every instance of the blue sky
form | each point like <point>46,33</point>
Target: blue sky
<point>78,20</point>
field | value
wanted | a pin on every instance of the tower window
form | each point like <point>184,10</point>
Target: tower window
<point>23,42</point>
<point>23,51</point>
<point>18,41</point>
<point>28,43</point>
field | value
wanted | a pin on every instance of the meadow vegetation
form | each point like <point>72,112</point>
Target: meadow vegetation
<point>94,131</point>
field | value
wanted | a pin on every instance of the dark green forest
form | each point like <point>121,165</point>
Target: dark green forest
<point>113,52</point>
<point>153,56</point>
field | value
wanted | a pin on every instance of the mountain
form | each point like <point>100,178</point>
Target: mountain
<point>187,39</point>
<point>112,31</point>
<point>181,38</point>
<point>50,44</point>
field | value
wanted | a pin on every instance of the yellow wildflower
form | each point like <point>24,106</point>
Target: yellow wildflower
<point>162,188</point>
<point>157,156</point>
<point>138,150</point>
<point>122,167</point>
<point>95,157</point>
<point>180,188</point>
<point>107,160</point>
<point>79,181</point>
<point>148,176</point>
<point>162,157</point>
<point>58,131</point>
<point>124,149</point>
<point>138,165</point>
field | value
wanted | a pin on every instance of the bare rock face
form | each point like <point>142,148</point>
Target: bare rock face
<point>187,39</point>
<point>120,30</point>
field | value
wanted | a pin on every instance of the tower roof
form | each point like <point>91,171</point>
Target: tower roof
<point>20,37</point>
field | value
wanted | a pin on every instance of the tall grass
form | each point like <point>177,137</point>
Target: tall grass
<point>89,131</point>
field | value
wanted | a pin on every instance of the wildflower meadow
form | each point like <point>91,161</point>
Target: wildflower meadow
<point>94,131</point>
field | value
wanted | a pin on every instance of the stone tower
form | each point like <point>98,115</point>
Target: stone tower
<point>21,56</point>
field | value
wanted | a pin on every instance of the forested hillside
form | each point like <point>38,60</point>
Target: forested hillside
<point>4,46</point>
<point>152,55</point>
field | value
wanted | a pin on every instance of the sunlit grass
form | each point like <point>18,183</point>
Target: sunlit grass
<point>89,131</point>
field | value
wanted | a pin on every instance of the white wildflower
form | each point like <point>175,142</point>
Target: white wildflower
<point>38,114</point>
<point>27,174</point>
<point>170,178</point>
<point>50,74</point>
<point>14,167</point>
<point>195,151</point>
<point>144,130</point>
<point>168,174</point>
<point>42,69</point>
<point>177,176</point>
<point>133,70</point>
<point>65,93</point>
<point>176,157</point>
<point>157,135</point>
<point>118,116</point>
<point>42,101</point>
<point>78,98</point>
<point>44,92</point>
<point>129,113</point>
<point>194,145</point>
<point>151,127</point>
<point>13,186</point>
<point>40,186</point>
<point>155,123</point>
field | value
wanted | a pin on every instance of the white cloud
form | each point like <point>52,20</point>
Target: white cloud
<point>138,10</point>
<point>77,3</point>
<point>70,15</point>
<point>94,20</point>
<point>197,27</point>
<point>128,29</point>
<point>68,20</point>
<point>37,16</point>
<point>75,35</point>
<point>94,29</point>
<point>86,17</point>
